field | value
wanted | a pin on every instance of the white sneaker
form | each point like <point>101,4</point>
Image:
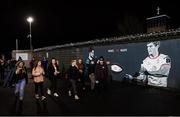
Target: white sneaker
<point>76,97</point>
<point>20,98</point>
<point>69,92</point>
<point>56,95</point>
<point>43,97</point>
<point>49,92</point>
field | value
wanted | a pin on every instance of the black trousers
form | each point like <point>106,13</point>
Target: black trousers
<point>72,86</point>
<point>53,85</point>
<point>2,73</point>
<point>102,85</point>
<point>81,76</point>
<point>37,86</point>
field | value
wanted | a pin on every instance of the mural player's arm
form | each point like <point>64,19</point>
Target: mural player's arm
<point>142,73</point>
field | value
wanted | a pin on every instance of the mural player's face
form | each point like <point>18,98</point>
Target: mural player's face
<point>152,49</point>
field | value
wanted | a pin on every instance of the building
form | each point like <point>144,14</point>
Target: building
<point>158,23</point>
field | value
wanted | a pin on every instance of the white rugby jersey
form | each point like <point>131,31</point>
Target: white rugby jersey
<point>154,66</point>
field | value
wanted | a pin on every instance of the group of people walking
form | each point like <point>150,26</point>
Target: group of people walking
<point>94,71</point>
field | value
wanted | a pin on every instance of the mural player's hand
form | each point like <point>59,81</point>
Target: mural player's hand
<point>129,76</point>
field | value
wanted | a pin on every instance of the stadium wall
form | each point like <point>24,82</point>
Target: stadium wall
<point>128,52</point>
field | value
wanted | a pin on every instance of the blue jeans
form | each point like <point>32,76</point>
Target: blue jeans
<point>20,88</point>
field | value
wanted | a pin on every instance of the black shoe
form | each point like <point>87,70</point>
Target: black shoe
<point>20,108</point>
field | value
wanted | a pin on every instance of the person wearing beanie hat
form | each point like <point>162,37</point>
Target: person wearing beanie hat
<point>101,73</point>
<point>101,58</point>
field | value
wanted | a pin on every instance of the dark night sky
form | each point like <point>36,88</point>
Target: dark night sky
<point>64,21</point>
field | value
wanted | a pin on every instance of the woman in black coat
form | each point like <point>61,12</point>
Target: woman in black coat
<point>53,74</point>
<point>73,75</point>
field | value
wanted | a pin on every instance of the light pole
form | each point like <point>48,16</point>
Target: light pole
<point>16,44</point>
<point>30,20</point>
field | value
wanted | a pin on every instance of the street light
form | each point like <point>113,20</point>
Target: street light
<point>30,20</point>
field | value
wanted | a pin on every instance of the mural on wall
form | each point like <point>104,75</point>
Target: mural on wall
<point>154,63</point>
<point>155,67</point>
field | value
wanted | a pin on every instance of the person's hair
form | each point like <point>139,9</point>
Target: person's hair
<point>80,59</point>
<point>17,64</point>
<point>51,61</point>
<point>73,60</point>
<point>156,43</point>
<point>90,49</point>
<point>101,58</point>
<point>23,67</point>
<point>53,58</point>
<point>36,63</point>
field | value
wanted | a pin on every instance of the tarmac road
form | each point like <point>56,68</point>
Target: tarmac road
<point>119,99</point>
